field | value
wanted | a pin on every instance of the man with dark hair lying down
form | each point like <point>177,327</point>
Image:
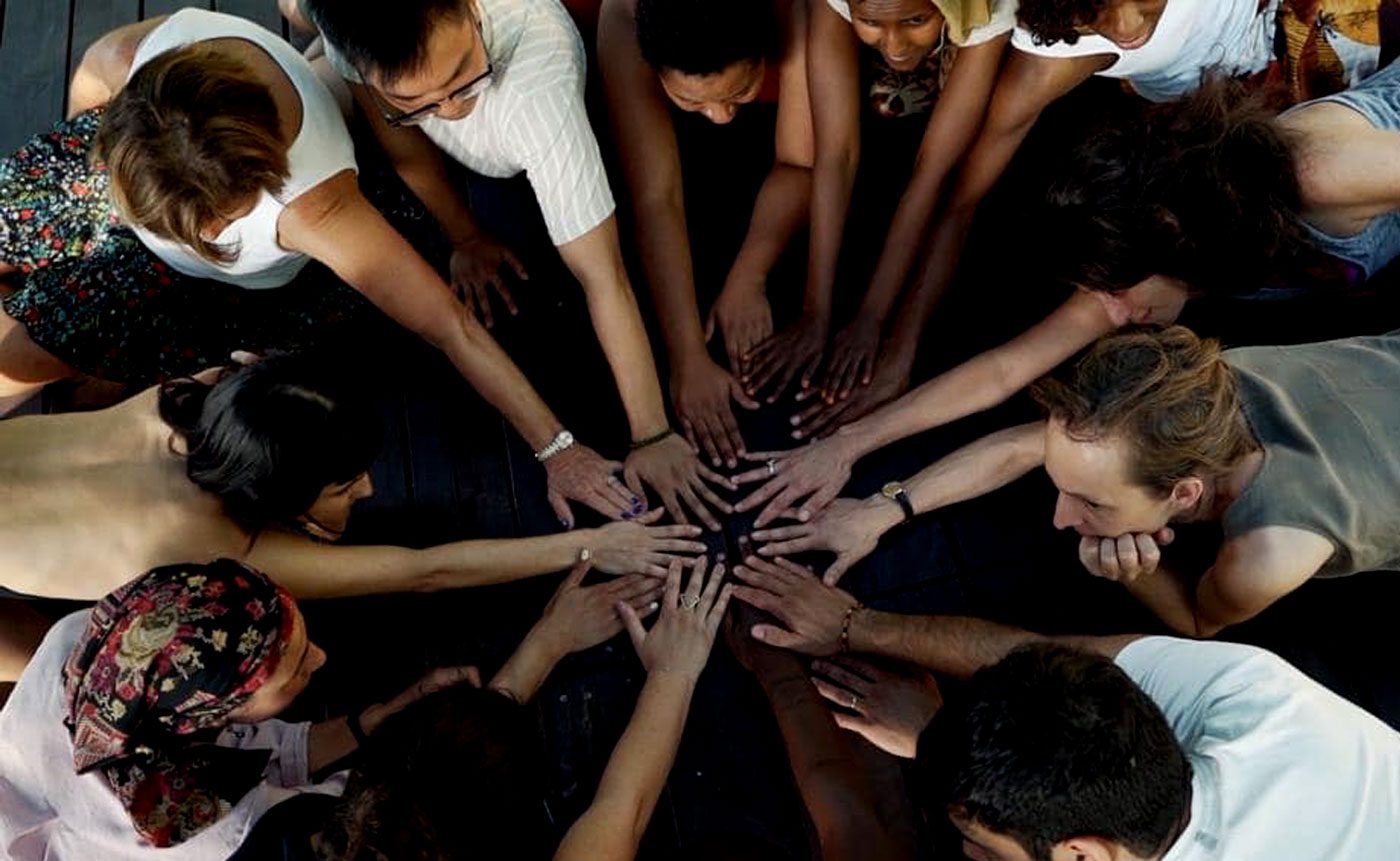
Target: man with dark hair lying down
<point>1123,748</point>
<point>1292,450</point>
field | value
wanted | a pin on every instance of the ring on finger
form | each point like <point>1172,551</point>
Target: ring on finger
<point>772,464</point>
<point>855,701</point>
<point>690,602</point>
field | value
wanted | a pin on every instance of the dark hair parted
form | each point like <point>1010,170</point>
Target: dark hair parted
<point>388,42</point>
<point>705,37</point>
<point>1054,743</point>
<point>191,138</point>
<point>268,438</point>
<point>1204,190</point>
<point>1169,393</point>
<point>457,775</point>
<point>1051,21</point>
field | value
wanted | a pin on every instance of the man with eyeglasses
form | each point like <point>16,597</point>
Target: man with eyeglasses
<point>498,85</point>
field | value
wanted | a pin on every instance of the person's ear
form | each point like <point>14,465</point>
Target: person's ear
<point>1187,493</point>
<point>1084,849</point>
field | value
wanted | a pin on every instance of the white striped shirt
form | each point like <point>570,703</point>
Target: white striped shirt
<point>532,117</point>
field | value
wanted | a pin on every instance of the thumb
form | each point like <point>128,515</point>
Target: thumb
<point>741,397</point>
<point>561,509</point>
<point>576,574</point>
<point>710,326</point>
<point>1164,536</point>
<point>833,573</point>
<point>772,635</point>
<point>633,624</point>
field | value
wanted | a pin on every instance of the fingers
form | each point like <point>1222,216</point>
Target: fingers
<point>672,596</point>
<point>710,333</point>
<point>773,635</point>
<point>473,677</point>
<point>801,572</point>
<point>504,292</point>
<point>701,433</point>
<point>781,504</point>
<point>741,398</point>
<point>813,363</point>
<point>851,681</point>
<point>718,609</point>
<point>561,509</point>
<point>838,568</point>
<point>483,302</point>
<point>1149,555</point>
<point>711,590</point>
<point>518,268</point>
<point>820,417</point>
<point>654,515</point>
<point>633,623</point>
<point>692,500</point>
<point>759,598</point>
<point>615,492</point>
<point>633,480</point>
<point>1089,555</point>
<point>677,545</point>
<point>577,573</point>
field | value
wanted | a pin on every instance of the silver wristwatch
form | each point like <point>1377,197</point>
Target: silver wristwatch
<point>561,441</point>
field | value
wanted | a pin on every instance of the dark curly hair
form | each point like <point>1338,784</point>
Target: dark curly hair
<point>1051,21</point>
<point>1204,190</point>
<point>705,37</point>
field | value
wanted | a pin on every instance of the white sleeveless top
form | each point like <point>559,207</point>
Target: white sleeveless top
<point>321,150</point>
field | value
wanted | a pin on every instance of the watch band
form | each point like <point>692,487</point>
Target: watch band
<point>896,492</point>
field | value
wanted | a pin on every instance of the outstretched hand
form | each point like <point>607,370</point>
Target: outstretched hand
<point>476,270</point>
<point>890,709</point>
<point>580,617</point>
<point>672,468</point>
<point>683,635</point>
<point>850,528</point>
<point>812,611</point>
<point>640,547</point>
<point>804,479</point>
<point>792,354</point>
<point>580,474</point>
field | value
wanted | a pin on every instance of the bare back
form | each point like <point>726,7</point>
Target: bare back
<point>90,500</point>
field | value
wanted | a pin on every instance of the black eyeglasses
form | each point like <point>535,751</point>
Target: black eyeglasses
<point>463,94</point>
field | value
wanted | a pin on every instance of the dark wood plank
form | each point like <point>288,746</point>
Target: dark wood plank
<point>33,68</point>
<point>262,12</point>
<point>92,19</point>
<point>152,8</point>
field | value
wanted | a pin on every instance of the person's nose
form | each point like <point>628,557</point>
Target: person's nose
<point>719,113</point>
<point>1066,517</point>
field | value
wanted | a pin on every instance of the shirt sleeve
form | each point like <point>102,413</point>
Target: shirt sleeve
<point>1212,690</point>
<point>563,162</point>
<point>288,766</point>
<point>1003,21</point>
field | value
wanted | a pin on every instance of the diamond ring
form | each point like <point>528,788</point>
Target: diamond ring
<point>772,465</point>
<point>690,602</point>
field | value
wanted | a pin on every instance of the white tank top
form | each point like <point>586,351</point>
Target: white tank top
<point>321,150</point>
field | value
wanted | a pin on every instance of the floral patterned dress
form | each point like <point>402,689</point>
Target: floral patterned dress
<point>92,294</point>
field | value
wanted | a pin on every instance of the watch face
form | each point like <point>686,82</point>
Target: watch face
<point>890,490</point>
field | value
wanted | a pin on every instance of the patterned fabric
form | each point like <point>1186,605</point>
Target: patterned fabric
<point>1327,46</point>
<point>93,295</point>
<point>903,94</point>
<point>163,662</point>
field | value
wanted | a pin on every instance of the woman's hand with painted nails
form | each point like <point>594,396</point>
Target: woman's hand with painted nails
<point>639,547</point>
<point>889,380</point>
<point>850,528</point>
<point>684,633</point>
<point>672,468</point>
<point>794,353</point>
<point>580,474</point>
<point>890,709</point>
<point>580,617</point>
<point>701,392</point>
<point>805,479</point>
<point>852,362</point>
<point>477,265</point>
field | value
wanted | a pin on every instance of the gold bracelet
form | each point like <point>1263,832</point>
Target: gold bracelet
<point>846,626</point>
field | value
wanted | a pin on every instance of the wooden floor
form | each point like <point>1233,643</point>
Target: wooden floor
<point>42,42</point>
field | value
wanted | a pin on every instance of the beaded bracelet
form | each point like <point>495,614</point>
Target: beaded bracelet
<point>846,626</point>
<point>653,439</point>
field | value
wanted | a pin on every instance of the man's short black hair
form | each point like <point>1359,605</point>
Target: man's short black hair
<point>1051,21</point>
<point>705,37</point>
<point>390,39</point>
<point>1054,743</point>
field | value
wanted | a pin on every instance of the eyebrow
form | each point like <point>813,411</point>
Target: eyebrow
<point>457,73</point>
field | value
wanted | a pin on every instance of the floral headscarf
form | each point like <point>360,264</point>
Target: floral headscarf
<point>163,662</point>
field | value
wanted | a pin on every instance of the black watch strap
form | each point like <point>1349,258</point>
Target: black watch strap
<point>902,497</point>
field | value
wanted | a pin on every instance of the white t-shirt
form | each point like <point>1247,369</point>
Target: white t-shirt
<point>1284,769</point>
<point>1003,20</point>
<point>1233,37</point>
<point>532,117</point>
<point>321,150</point>
<point>48,812</point>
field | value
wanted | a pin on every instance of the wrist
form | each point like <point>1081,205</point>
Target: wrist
<point>850,442</point>
<point>544,645</point>
<point>881,514</point>
<point>690,360</point>
<point>368,720</point>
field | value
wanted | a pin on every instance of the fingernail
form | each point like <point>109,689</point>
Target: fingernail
<point>793,420</point>
<point>765,551</point>
<point>628,515</point>
<point>751,558</point>
<point>564,523</point>
<point>653,606</point>
<point>715,462</point>
<point>797,434</point>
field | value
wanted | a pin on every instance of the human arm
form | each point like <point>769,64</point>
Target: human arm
<point>296,16</point>
<point>956,118</point>
<point>577,617</point>
<point>311,569</point>
<point>334,223</point>
<point>673,652</point>
<point>1251,572</point>
<point>811,615</point>
<point>1026,85</point>
<point>853,529</point>
<point>701,390</point>
<point>833,76</point>
<point>106,63</point>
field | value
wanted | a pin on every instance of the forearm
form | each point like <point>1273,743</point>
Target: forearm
<point>482,362</point>
<point>612,827</point>
<point>665,251</point>
<point>428,178</point>
<point>328,742</point>
<point>780,210</point>
<point>833,179</point>
<point>940,264</point>
<point>956,646</point>
<point>1169,596</point>
<point>906,236</point>
<point>312,570</point>
<point>524,673</point>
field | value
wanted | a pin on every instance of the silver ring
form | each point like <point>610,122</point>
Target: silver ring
<point>690,602</point>
<point>855,701</point>
<point>772,465</point>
